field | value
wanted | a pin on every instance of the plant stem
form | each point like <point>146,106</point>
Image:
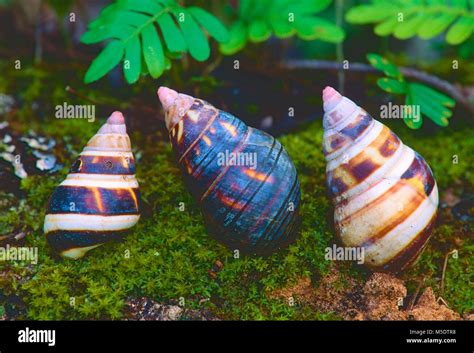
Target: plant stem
<point>38,35</point>
<point>445,265</point>
<point>339,47</point>
<point>421,76</point>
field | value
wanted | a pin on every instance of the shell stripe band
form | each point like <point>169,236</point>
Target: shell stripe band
<point>410,253</point>
<point>65,240</point>
<point>94,200</point>
<point>104,165</point>
<point>80,222</point>
<point>404,237</point>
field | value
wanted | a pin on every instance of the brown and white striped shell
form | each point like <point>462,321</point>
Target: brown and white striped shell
<point>384,193</point>
<point>99,200</point>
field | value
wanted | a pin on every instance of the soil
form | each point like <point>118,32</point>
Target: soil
<point>381,297</point>
<point>148,309</point>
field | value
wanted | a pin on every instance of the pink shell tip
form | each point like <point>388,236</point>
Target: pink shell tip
<point>330,93</point>
<point>167,96</point>
<point>331,98</point>
<point>116,119</point>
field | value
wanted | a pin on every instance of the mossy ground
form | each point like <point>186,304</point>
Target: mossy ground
<point>167,257</point>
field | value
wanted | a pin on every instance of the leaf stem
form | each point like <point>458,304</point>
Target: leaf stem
<point>421,76</point>
<point>152,19</point>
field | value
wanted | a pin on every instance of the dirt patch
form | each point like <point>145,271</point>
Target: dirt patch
<point>148,309</point>
<point>381,297</point>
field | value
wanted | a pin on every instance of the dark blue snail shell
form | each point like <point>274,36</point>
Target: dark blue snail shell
<point>243,179</point>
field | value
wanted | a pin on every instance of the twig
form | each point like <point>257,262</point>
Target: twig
<point>212,66</point>
<point>81,96</point>
<point>415,295</point>
<point>434,81</point>
<point>445,265</point>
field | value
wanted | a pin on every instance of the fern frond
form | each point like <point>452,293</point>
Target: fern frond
<point>425,18</point>
<point>153,30</point>
<point>257,20</point>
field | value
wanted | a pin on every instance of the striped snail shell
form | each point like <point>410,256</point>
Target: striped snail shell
<point>384,193</point>
<point>99,199</point>
<point>249,207</point>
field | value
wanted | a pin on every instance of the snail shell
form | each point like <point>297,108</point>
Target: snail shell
<point>250,208</point>
<point>99,199</point>
<point>384,193</point>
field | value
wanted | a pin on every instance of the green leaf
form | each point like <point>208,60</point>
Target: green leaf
<point>238,38</point>
<point>153,51</point>
<point>434,109</point>
<point>103,32</point>
<point>135,22</point>
<point>433,94</point>
<point>108,58</point>
<point>460,31</point>
<point>172,35</point>
<point>384,65</point>
<point>259,9</point>
<point>411,120</point>
<point>245,8</point>
<point>195,39</point>
<point>409,27</point>
<point>133,61</point>
<point>210,23</point>
<point>311,28</point>
<point>167,63</point>
<point>282,28</point>
<point>434,25</point>
<point>259,31</point>
<point>122,17</point>
<point>149,7</point>
<point>460,3</point>
<point>387,27</point>
<point>392,86</point>
<point>363,14</point>
<point>307,7</point>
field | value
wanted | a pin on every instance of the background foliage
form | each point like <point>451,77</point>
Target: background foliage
<point>424,18</point>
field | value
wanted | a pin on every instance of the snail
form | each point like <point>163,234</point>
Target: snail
<point>384,193</point>
<point>242,178</point>
<point>99,200</point>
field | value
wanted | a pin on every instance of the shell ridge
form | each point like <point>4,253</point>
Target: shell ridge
<point>338,153</point>
<point>270,228</point>
<point>201,134</point>
<point>239,149</point>
<point>417,221</point>
<point>259,187</point>
<point>368,183</point>
<point>346,121</point>
<point>203,168</point>
<point>245,142</point>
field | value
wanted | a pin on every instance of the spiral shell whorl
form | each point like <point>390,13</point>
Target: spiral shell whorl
<point>384,193</point>
<point>244,207</point>
<point>99,199</point>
